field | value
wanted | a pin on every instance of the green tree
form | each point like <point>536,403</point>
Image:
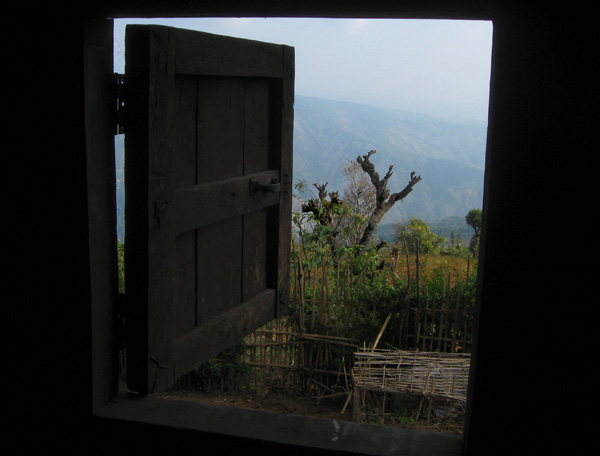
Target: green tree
<point>416,234</point>
<point>455,246</point>
<point>325,219</point>
<point>473,219</point>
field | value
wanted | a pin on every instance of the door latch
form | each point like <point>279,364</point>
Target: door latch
<point>273,187</point>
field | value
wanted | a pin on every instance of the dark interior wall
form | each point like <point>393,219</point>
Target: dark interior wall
<point>537,175</point>
<point>530,299</point>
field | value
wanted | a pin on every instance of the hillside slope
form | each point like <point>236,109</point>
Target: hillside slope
<point>449,156</point>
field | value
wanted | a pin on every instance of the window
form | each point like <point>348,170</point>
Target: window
<point>332,436</point>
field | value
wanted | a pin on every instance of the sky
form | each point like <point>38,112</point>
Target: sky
<point>435,67</point>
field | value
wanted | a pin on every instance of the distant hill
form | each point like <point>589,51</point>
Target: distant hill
<point>449,156</point>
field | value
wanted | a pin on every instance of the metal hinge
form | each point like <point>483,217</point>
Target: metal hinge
<point>119,100</point>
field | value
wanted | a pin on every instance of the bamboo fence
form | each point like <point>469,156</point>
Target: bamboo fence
<point>430,374</point>
<point>316,350</point>
<point>282,357</point>
<point>382,378</point>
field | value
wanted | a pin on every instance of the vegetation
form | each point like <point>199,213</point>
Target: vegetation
<point>121,265</point>
<point>415,236</point>
<point>354,280</point>
<point>223,372</point>
<point>473,219</point>
<point>416,292</point>
<point>335,288</point>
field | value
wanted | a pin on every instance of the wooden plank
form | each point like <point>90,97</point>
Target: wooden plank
<point>284,97</point>
<point>259,153</point>
<point>219,269</point>
<point>226,56</point>
<point>147,186</point>
<point>221,332</point>
<point>220,133</point>
<point>184,145</point>
<point>184,300</point>
<point>201,205</point>
<point>184,150</point>
<point>319,435</point>
<point>257,260</point>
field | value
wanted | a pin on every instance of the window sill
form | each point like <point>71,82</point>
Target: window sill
<point>282,429</point>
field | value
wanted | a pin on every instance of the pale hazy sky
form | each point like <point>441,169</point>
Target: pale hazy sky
<point>436,67</point>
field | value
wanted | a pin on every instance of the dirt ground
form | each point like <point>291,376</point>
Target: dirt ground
<point>271,402</point>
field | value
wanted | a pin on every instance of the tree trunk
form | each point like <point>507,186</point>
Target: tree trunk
<point>384,200</point>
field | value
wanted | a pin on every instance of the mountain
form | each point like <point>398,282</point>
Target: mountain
<point>448,155</point>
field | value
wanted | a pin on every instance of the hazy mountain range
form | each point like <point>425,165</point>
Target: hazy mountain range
<point>448,155</point>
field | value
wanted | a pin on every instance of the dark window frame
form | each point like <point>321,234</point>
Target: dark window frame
<point>117,407</point>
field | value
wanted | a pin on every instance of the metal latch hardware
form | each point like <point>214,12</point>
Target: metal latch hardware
<point>273,187</point>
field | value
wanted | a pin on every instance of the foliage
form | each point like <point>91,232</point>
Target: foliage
<point>416,236</point>
<point>219,371</point>
<point>342,292</point>
<point>336,291</point>
<point>121,265</point>
<point>326,221</point>
<point>474,220</point>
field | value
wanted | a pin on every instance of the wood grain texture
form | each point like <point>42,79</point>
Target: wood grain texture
<point>210,253</point>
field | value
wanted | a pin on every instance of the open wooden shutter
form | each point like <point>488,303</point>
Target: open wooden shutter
<point>208,165</point>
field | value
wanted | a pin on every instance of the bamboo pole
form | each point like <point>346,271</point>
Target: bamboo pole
<point>385,323</point>
<point>418,284</point>
<point>314,295</point>
<point>301,291</point>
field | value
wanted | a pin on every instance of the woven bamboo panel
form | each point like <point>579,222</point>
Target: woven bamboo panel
<point>432,374</point>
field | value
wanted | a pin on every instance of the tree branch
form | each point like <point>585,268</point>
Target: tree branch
<point>384,201</point>
<point>322,190</point>
<point>414,179</point>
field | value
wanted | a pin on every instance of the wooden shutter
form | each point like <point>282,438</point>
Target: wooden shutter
<point>208,166</point>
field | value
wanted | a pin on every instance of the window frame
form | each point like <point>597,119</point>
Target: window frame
<point>118,407</point>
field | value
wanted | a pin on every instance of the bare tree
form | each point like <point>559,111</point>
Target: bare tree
<point>384,201</point>
<point>359,195</point>
<point>365,194</point>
